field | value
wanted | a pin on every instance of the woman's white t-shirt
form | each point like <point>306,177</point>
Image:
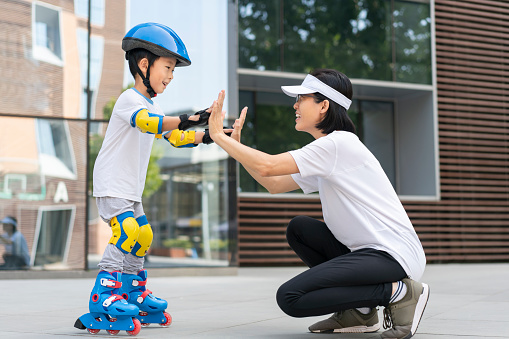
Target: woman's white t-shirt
<point>359,204</point>
<point>120,169</point>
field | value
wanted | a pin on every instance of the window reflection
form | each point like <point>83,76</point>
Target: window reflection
<point>188,214</point>
<point>371,39</point>
<point>53,235</point>
<point>27,158</point>
<point>96,66</point>
<point>185,201</point>
<point>55,148</point>
<point>46,34</point>
<point>270,127</point>
<point>97,15</point>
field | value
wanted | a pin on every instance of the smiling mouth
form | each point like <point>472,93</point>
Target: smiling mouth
<point>297,116</point>
<point>165,83</point>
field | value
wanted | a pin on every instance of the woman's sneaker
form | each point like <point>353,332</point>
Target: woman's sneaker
<point>404,315</point>
<point>349,321</point>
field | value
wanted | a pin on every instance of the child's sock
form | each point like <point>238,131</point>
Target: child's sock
<point>399,293</point>
<point>364,310</point>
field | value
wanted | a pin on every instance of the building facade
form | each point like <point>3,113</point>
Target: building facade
<point>429,83</point>
<point>444,147</point>
<point>43,118</point>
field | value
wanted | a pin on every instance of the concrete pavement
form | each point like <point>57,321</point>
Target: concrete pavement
<point>466,301</point>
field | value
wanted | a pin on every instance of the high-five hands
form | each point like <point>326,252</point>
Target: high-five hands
<point>239,123</point>
<point>217,117</point>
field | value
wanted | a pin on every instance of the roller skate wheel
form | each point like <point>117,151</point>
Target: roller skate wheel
<point>168,320</point>
<point>137,327</point>
<point>145,324</point>
<point>93,330</point>
<point>113,332</point>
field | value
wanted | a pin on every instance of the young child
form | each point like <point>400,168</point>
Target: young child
<point>153,51</point>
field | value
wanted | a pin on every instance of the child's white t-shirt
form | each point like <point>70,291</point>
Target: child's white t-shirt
<point>120,169</point>
<point>359,204</point>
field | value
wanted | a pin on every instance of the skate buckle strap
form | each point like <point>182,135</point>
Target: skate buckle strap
<point>139,283</point>
<point>111,300</point>
<point>110,283</point>
<point>142,297</point>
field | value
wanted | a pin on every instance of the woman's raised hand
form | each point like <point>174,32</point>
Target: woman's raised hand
<point>239,123</point>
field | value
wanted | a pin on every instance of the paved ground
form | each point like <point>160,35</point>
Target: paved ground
<point>466,301</point>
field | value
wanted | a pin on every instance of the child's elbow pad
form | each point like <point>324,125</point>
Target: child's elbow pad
<point>147,122</point>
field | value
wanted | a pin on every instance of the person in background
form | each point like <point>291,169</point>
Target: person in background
<point>16,250</point>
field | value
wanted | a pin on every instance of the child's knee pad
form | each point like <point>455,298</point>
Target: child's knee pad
<point>125,231</point>
<point>145,238</point>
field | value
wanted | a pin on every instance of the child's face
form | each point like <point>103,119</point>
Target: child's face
<point>161,73</point>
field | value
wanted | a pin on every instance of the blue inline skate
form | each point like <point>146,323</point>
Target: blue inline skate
<point>108,310</point>
<point>151,308</point>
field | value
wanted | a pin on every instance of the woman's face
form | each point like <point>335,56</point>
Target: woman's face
<point>308,113</point>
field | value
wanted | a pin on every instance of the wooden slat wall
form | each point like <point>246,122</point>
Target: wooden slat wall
<point>471,221</point>
<point>262,227</point>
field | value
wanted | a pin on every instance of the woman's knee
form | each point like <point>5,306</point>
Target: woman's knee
<point>285,299</point>
<point>296,226</point>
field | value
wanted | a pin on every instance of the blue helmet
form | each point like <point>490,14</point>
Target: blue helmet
<point>158,39</point>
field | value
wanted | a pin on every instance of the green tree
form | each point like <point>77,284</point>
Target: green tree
<point>153,180</point>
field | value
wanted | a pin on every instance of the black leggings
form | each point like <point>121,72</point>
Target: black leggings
<point>337,279</point>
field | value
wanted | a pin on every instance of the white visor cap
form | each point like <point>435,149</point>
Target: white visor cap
<point>313,85</point>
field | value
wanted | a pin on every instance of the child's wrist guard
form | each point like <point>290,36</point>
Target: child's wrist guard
<point>185,123</point>
<point>208,140</point>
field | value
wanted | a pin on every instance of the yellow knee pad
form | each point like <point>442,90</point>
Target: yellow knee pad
<point>144,239</point>
<point>125,230</point>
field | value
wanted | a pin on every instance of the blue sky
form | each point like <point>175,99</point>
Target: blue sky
<point>202,26</point>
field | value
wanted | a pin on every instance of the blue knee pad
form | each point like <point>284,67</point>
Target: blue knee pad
<point>141,247</point>
<point>125,231</point>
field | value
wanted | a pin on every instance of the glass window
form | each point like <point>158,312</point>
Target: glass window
<point>55,148</point>
<point>355,37</point>
<point>412,35</point>
<point>96,62</point>
<point>21,179</point>
<point>97,15</point>
<point>270,127</point>
<point>186,203</point>
<point>53,235</point>
<point>188,212</point>
<point>375,128</point>
<point>46,33</point>
<point>260,35</point>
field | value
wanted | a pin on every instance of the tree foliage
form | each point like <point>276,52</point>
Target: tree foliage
<point>368,39</point>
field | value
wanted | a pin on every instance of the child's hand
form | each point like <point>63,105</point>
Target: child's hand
<point>239,123</point>
<point>217,117</point>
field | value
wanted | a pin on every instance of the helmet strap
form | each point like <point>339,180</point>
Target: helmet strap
<point>146,80</point>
